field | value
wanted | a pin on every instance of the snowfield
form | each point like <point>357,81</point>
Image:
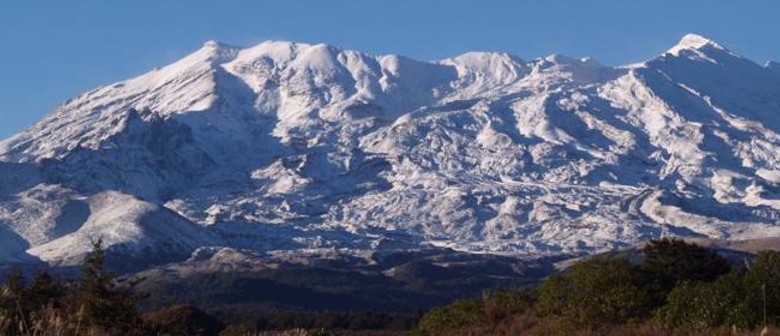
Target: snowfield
<point>286,147</point>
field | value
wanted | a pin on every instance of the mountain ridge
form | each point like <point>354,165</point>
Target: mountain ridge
<point>292,147</point>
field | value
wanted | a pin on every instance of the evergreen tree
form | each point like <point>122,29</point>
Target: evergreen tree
<point>14,282</point>
<point>44,290</point>
<point>100,300</point>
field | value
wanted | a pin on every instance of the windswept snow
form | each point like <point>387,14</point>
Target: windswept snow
<point>291,147</point>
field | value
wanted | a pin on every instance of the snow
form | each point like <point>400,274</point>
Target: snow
<point>285,147</point>
<point>122,221</point>
<point>696,47</point>
<point>693,42</point>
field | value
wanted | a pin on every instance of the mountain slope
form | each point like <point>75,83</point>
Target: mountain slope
<point>286,147</point>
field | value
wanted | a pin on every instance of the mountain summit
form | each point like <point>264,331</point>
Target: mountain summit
<point>291,148</point>
<point>694,42</point>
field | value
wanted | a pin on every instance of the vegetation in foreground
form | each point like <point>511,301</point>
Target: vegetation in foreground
<point>98,303</point>
<point>101,303</point>
<point>677,289</point>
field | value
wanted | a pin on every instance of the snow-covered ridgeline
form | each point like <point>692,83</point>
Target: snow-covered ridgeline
<point>293,146</point>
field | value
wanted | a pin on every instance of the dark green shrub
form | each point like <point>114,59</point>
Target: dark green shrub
<point>671,261</point>
<point>447,319</point>
<point>595,292</point>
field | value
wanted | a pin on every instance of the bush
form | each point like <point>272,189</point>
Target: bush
<point>671,261</point>
<point>703,305</point>
<point>733,300</point>
<point>596,292</point>
<point>184,320</point>
<point>763,279</point>
<point>443,320</point>
<point>501,304</point>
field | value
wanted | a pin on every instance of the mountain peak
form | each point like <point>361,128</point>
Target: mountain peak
<point>212,52</point>
<point>693,42</point>
<point>483,59</point>
<point>562,59</point>
<point>559,58</point>
<point>211,44</point>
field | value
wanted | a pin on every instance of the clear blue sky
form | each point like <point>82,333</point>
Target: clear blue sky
<point>52,50</point>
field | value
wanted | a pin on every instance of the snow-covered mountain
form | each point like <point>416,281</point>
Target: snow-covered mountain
<point>286,147</point>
